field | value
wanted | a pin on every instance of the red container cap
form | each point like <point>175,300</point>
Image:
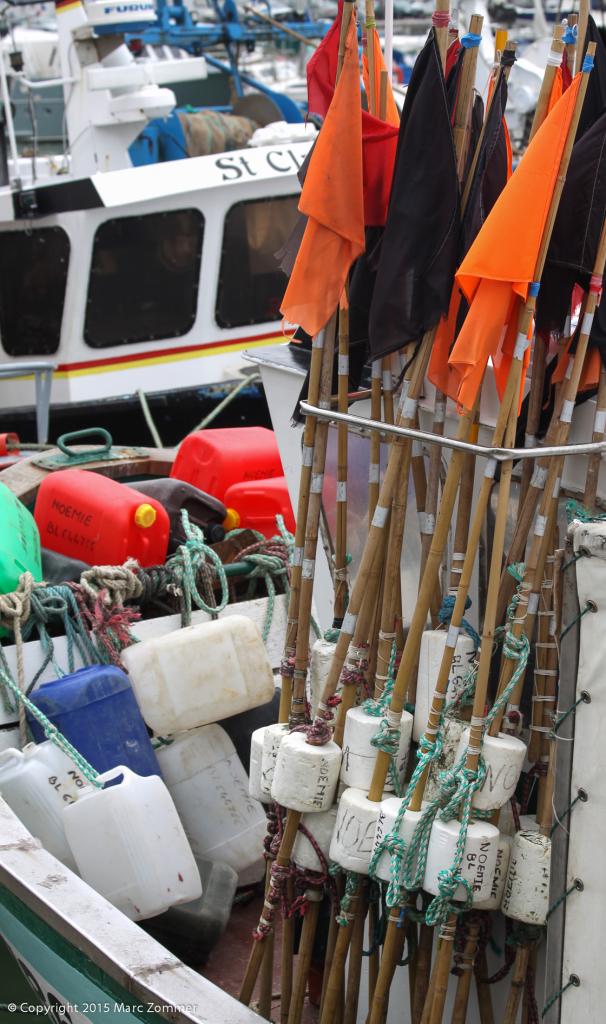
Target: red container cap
<point>258,502</point>
<point>213,460</point>
<point>100,521</point>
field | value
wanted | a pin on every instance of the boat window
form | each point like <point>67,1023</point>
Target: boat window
<point>251,284</point>
<point>33,276</point>
<point>144,278</point>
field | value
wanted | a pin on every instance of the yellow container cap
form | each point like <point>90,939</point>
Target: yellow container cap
<point>145,515</point>
<point>232,520</point>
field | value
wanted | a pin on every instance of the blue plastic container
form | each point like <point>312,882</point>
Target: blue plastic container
<point>96,709</point>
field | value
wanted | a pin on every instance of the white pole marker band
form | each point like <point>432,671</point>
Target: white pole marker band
<point>533,603</point>
<point>522,343</point>
<point>297,556</point>
<point>491,468</point>
<point>587,323</point>
<point>374,471</point>
<point>567,411</point>
<point>409,408</point>
<point>376,369</point>
<point>439,412</point>
<point>538,478</point>
<point>599,426</point>
<point>380,517</point>
<point>539,526</point>
<point>452,635</point>
<point>341,490</point>
<point>349,623</point>
<point>308,455</point>
<point>343,366</point>
<point>317,482</point>
<point>387,380</point>
<point>307,571</point>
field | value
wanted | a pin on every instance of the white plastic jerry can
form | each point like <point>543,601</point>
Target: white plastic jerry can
<point>130,845</point>
<point>200,674</point>
<point>37,783</point>
<point>209,786</point>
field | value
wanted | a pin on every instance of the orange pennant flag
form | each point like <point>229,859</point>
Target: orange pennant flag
<point>332,199</point>
<point>391,111</point>
<point>500,265</point>
<point>557,89</point>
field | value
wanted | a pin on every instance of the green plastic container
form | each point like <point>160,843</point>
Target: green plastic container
<point>19,542</point>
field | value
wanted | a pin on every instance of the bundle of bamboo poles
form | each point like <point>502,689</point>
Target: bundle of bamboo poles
<point>405,850</point>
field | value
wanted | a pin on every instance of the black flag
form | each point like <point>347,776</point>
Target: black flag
<point>420,245</point>
<point>576,234</point>
<point>490,173</point>
<point>595,97</point>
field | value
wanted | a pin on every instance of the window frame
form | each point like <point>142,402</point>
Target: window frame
<point>256,200</point>
<point>146,337</point>
<point>30,231</point>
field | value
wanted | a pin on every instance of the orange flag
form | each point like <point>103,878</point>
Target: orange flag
<point>557,89</point>
<point>500,264</point>
<point>391,111</point>
<point>332,199</point>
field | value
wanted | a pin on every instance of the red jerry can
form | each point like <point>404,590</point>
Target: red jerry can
<point>213,460</point>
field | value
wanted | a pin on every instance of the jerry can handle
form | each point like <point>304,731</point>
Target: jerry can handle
<point>76,436</point>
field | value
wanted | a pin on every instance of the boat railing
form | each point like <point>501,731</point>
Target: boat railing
<point>43,379</point>
<point>363,424</point>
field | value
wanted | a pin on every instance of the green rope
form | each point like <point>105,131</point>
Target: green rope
<point>574,981</point>
<point>52,733</point>
<point>588,608</point>
<point>577,886</point>
<point>187,562</point>
<point>351,888</point>
<point>575,510</point>
<point>387,738</point>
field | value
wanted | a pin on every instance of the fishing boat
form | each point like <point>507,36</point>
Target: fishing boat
<point>165,271</point>
<point>433,768</point>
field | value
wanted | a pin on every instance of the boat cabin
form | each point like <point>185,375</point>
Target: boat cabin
<point>168,270</point>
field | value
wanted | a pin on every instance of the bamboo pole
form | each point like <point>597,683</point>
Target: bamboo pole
<point>557,46</point>
<point>334,985</point>
<point>309,433</point>
<point>340,569</point>
<point>582,32</point>
<point>306,943</point>
<point>571,50</point>
<point>286,957</point>
<point>266,979</point>
<point>332,936</point>
<point>466,966</point>
<point>422,972</point>
<point>518,980</point>
<point>542,670</point>
<point>599,432</point>
<point>352,991</point>
<point>482,989</point>
<point>374,466</point>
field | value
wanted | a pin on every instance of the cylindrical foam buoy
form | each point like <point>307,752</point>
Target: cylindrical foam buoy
<point>451,737</point>
<point>255,771</point>
<point>506,823</point>
<point>526,896</point>
<point>272,738</point>
<point>306,776</point>
<point>352,839</point>
<point>321,826</point>
<point>479,857</point>
<point>385,823</point>
<point>359,755</point>
<point>433,643</point>
<point>504,756</point>
<point>321,658</point>
<point>500,875</point>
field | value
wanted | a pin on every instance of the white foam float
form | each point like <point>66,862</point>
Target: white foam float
<point>306,776</point>
<point>504,757</point>
<point>526,896</point>
<point>321,826</point>
<point>352,839</point>
<point>359,755</point>
<point>433,643</point>
<point>479,857</point>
